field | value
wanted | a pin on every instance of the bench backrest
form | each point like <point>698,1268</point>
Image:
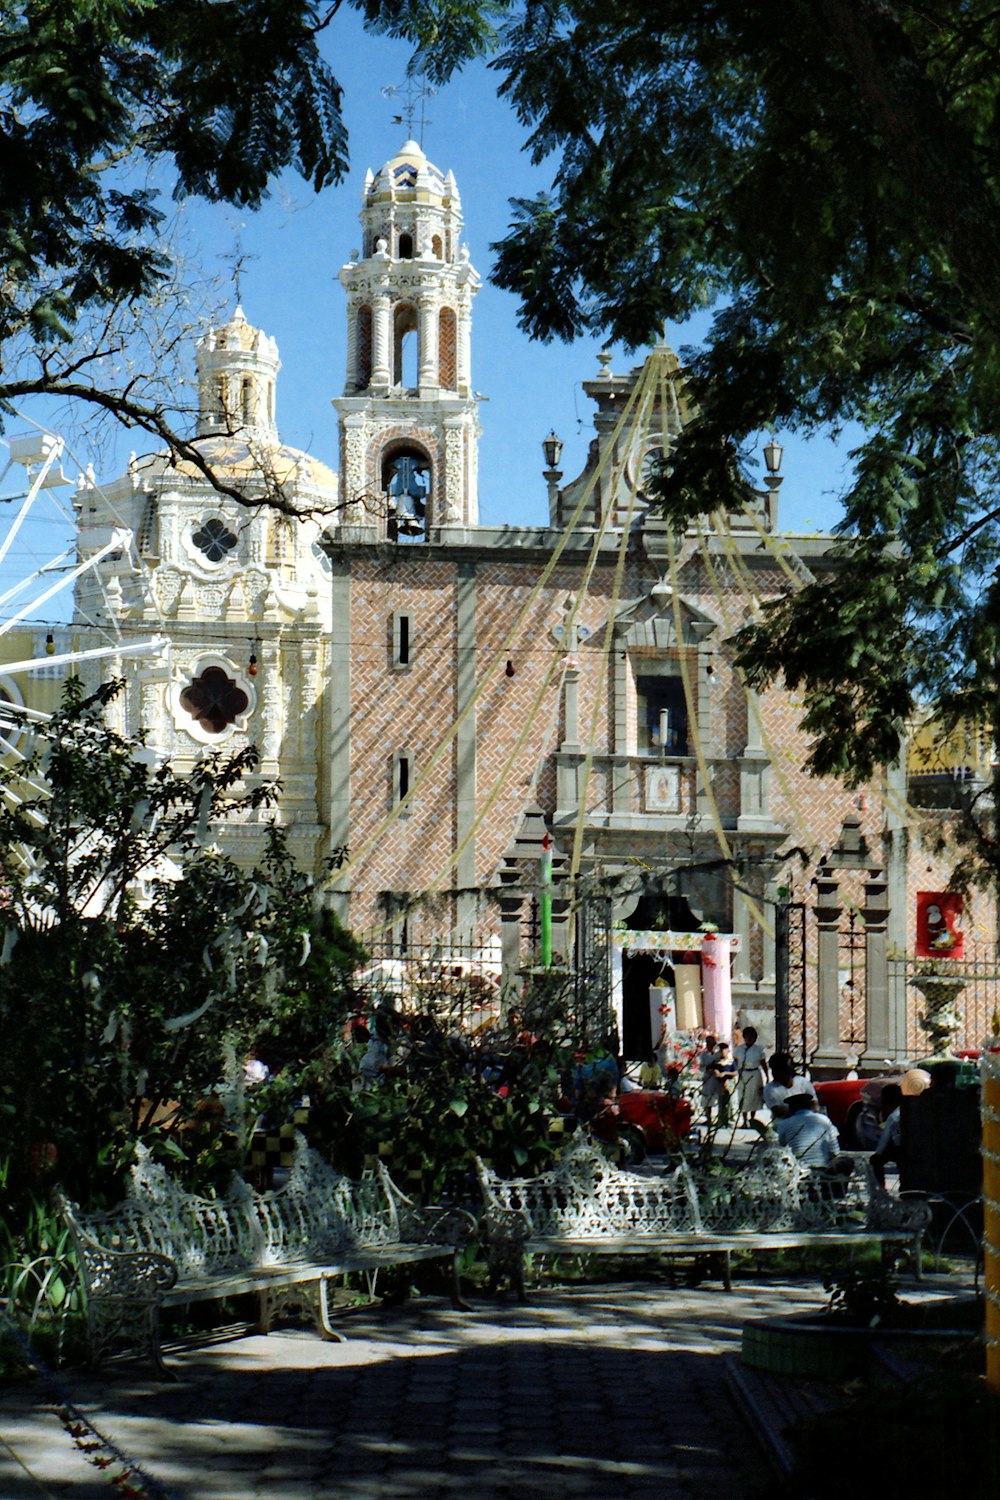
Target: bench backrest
<point>584,1196</point>
<point>316,1215</point>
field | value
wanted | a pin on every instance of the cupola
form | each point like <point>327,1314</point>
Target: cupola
<point>237,371</point>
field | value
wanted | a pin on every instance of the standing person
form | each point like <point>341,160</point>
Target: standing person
<point>751,1075</point>
<point>717,1085</point>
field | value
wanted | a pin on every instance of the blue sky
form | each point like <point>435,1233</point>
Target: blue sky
<point>295,246</point>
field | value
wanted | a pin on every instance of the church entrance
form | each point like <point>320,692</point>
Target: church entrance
<point>640,971</point>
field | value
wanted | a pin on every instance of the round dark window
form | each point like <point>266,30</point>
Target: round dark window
<point>214,700</point>
<point>214,539</point>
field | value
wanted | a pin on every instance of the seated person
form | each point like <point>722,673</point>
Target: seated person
<point>888,1142</point>
<point>785,1083</point>
<point>650,1073</point>
<point>810,1136</point>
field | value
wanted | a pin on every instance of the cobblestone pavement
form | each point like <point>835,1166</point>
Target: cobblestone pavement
<point>611,1391</point>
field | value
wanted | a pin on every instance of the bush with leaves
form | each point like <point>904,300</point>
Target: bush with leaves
<point>139,965</point>
<point>450,1098</point>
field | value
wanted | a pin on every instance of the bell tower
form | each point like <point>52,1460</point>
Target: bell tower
<point>408,416</point>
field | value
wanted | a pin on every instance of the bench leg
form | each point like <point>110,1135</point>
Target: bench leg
<point>456,1289</point>
<point>323,1318</point>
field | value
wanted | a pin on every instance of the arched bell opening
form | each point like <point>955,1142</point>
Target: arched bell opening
<point>405,347</point>
<point>407,481</point>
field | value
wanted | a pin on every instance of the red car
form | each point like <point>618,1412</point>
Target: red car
<point>663,1118</point>
<point>853,1104</point>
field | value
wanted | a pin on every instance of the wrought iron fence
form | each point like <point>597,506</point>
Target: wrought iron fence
<point>420,972</point>
<point>980,968</point>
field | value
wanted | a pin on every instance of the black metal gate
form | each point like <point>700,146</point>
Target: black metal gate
<point>593,967</point>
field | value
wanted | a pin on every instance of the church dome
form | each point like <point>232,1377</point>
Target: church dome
<point>236,461</point>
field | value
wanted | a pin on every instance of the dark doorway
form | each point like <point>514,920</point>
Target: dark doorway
<point>653,912</point>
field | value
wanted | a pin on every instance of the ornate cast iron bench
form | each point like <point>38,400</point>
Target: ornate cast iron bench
<point>163,1247</point>
<point>586,1206</point>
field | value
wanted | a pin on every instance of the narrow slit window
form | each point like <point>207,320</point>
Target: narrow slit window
<point>402,782</point>
<point>402,639</point>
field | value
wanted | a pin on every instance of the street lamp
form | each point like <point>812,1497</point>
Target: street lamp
<point>773,454</point>
<point>552,447</point>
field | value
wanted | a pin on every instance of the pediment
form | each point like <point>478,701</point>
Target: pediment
<point>652,621</point>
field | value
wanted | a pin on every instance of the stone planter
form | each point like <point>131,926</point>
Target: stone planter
<point>941,1019</point>
<point>815,1348</point>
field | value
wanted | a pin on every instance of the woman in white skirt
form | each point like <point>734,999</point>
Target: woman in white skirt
<point>751,1073</point>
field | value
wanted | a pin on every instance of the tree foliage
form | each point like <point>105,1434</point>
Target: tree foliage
<point>139,965</point>
<point>104,107</point>
<point>824,176</point>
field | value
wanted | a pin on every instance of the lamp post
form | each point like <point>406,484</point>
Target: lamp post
<point>773,454</point>
<point>552,447</point>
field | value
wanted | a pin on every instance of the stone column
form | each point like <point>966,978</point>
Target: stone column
<point>828,1054</point>
<point>351,374</point>
<point>560,911</point>
<point>463,371</point>
<point>427,329</point>
<point>742,928</point>
<point>381,338</point>
<point>878,1027</point>
<point>510,901</point>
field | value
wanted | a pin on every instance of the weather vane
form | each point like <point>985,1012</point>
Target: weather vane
<point>238,258</point>
<point>413,93</point>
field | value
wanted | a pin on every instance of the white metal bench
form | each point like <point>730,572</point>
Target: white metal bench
<point>164,1247</point>
<point>587,1206</point>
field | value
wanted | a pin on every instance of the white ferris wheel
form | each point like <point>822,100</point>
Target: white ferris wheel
<point>39,562</point>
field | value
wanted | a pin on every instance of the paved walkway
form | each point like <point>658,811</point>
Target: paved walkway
<point>610,1391</point>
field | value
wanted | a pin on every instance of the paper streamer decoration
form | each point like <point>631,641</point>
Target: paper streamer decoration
<point>716,986</point>
<point>687,979</point>
<point>634,940</point>
<point>662,1012</point>
<point>990,1070</point>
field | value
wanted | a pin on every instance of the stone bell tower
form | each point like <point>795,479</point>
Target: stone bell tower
<point>408,416</point>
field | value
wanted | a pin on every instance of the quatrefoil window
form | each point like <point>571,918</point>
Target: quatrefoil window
<point>214,539</point>
<point>214,700</point>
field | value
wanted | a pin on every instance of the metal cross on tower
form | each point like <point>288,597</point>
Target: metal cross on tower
<point>414,93</point>
<point>238,258</point>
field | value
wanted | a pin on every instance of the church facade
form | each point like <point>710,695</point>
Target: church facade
<point>439,697</point>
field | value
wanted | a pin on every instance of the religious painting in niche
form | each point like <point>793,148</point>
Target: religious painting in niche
<point>938,932</point>
<point>214,700</point>
<point>663,789</point>
<point>214,539</point>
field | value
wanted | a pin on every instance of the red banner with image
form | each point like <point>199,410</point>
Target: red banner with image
<point>938,932</point>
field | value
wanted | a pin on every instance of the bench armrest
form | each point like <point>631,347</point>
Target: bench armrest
<point>139,1275</point>
<point>435,1225</point>
<point>505,1226</point>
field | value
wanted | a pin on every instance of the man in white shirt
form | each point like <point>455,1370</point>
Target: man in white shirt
<point>785,1083</point>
